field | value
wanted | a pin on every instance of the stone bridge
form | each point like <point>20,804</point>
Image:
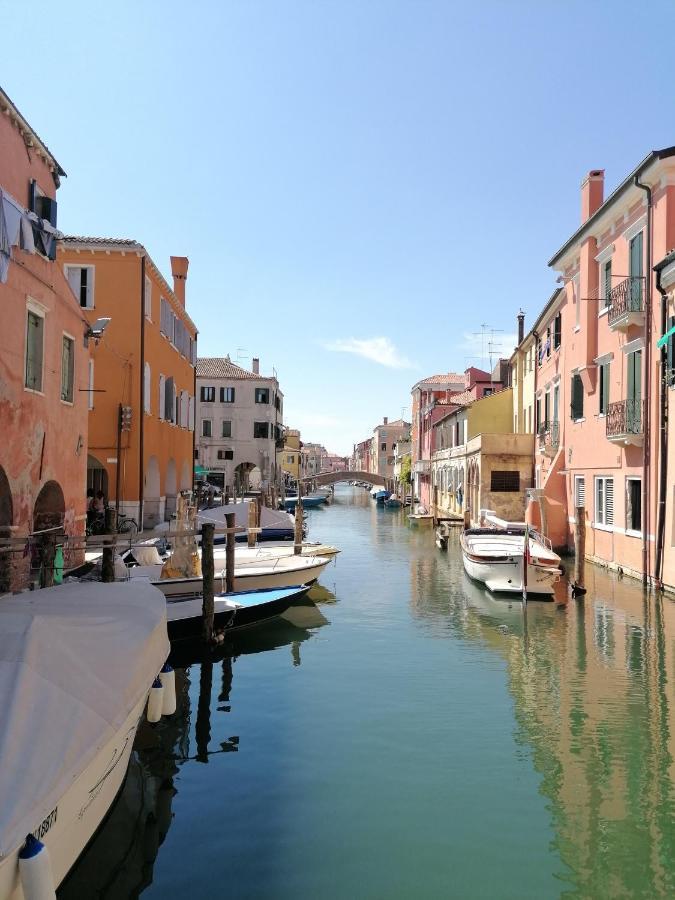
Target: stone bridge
<point>324,478</point>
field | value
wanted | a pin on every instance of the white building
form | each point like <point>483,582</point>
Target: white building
<point>239,425</point>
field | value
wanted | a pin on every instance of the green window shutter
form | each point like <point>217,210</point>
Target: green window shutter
<point>670,380</point>
<point>577,393</point>
<point>608,280</point>
<point>605,387</point>
<point>34,351</point>
<point>635,271</point>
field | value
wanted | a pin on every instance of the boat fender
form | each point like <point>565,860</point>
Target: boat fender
<point>155,701</point>
<point>35,870</point>
<point>168,678</point>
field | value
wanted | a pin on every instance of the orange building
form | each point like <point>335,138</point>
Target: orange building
<point>43,359</point>
<point>141,374</point>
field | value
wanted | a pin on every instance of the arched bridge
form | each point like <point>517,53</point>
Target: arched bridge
<point>324,478</point>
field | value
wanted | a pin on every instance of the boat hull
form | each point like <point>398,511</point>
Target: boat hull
<point>506,576</point>
<point>68,828</point>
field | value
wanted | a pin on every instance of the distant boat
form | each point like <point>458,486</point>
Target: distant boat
<point>276,525</point>
<point>232,612</point>
<point>393,502</point>
<point>308,502</point>
<point>380,496</point>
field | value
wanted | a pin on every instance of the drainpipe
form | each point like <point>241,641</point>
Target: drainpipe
<point>141,417</point>
<point>663,436</point>
<point>647,386</point>
<point>535,334</point>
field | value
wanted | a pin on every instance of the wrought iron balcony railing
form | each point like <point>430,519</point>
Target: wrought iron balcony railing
<point>624,419</point>
<point>549,435</point>
<point>626,297</point>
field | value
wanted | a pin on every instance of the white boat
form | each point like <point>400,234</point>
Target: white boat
<point>284,571</point>
<point>77,662</point>
<point>496,556</point>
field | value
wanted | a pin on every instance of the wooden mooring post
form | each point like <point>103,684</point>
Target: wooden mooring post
<point>579,585</point>
<point>229,553</point>
<point>208,529</point>
<point>252,522</point>
<point>108,561</point>
<point>299,514</point>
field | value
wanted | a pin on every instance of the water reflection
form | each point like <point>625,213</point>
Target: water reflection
<point>589,680</point>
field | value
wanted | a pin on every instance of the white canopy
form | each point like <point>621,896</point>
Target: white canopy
<point>74,661</point>
<point>269,518</point>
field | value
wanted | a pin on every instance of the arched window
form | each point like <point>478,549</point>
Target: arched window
<point>147,403</point>
<point>161,397</point>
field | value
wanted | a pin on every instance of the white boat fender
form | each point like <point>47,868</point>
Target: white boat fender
<point>155,701</point>
<point>35,870</point>
<point>168,678</point>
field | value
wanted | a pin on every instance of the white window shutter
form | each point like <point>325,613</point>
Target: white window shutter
<point>161,397</point>
<point>89,275</point>
<point>74,280</point>
<point>609,501</point>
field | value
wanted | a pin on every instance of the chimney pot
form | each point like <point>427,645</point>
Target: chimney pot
<point>179,270</point>
<point>386,419</point>
<point>521,327</point>
<point>256,365</point>
<point>592,193</point>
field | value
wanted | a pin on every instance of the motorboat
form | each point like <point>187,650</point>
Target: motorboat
<point>379,496</point>
<point>307,500</point>
<point>77,663</point>
<point>510,557</point>
<point>393,502</point>
<point>232,612</point>
<point>284,571</point>
<point>275,525</point>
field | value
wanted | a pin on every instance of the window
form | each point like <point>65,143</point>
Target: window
<point>160,407</point>
<point>184,409</point>
<point>81,281</point>
<point>556,402</point>
<point>488,392</point>
<point>227,429</point>
<point>226,454</point>
<point>166,318</point>
<point>606,281</point>
<point>577,395</point>
<point>262,395</point>
<point>505,481</point>
<point>635,271</point>
<point>169,400</point>
<point>206,427</point>
<point>147,404</point>
<point>634,505</point>
<point>547,410</point>
<point>147,298</point>
<point>90,386</point>
<point>261,430</point>
<point>207,394</point>
<point>290,460</point>
<point>191,413</point>
<point>383,446</point>
<point>604,501</point>
<point>67,368</point>
<point>35,327</point>
<point>537,420</point>
<point>670,355</point>
<point>557,331</point>
<point>227,395</point>
<point>579,490</point>
<point>603,388</point>
<point>634,378</point>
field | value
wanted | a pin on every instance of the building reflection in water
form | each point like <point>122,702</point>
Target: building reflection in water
<point>590,683</point>
<point>118,864</point>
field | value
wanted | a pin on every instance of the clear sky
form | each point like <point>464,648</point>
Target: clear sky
<point>359,185</point>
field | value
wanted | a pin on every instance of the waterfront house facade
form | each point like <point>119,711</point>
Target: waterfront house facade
<point>361,457</point>
<point>239,425</point>
<point>610,322</point>
<point>140,374</point>
<point>385,438</point>
<point>664,299</point>
<point>311,459</point>
<point>288,458</point>
<point>43,358</point>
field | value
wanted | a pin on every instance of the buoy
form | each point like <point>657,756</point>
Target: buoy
<point>168,678</point>
<point>155,701</point>
<point>35,870</point>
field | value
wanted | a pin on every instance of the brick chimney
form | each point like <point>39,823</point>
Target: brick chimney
<point>386,419</point>
<point>592,193</point>
<point>179,270</point>
<point>521,327</point>
<point>256,365</point>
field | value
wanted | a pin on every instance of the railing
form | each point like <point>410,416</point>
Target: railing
<point>625,298</point>
<point>624,417</point>
<point>549,434</point>
<point>423,466</point>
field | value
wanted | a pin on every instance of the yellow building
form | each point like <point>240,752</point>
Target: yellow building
<point>288,459</point>
<point>523,376</point>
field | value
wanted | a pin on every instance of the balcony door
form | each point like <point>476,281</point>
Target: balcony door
<point>556,402</point>
<point>634,393</point>
<point>635,271</point>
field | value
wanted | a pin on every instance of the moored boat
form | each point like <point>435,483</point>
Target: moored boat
<point>308,502</point>
<point>78,662</point>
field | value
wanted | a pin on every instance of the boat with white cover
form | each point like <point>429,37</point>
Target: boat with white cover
<point>77,662</point>
<point>496,555</point>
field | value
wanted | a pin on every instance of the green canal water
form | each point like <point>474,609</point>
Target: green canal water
<point>417,739</point>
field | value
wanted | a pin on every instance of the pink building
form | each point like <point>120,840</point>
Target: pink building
<point>598,376</point>
<point>44,364</point>
<point>361,457</point>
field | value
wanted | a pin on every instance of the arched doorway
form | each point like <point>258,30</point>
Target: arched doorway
<point>151,495</point>
<point>50,507</point>
<point>6,518</point>
<point>97,476</point>
<point>170,490</point>
<point>185,479</point>
<point>247,477</point>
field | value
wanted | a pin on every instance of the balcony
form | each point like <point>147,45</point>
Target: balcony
<point>624,422</point>
<point>548,435</point>
<point>626,304</point>
<point>423,467</point>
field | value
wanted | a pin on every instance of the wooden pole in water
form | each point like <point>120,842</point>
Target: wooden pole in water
<point>297,547</point>
<point>579,586</point>
<point>108,563</point>
<point>252,517</point>
<point>229,553</point>
<point>227,495</point>
<point>526,560</point>
<point>207,580</point>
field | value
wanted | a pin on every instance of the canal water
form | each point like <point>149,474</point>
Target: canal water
<point>415,739</point>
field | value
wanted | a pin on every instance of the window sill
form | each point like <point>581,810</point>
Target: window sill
<point>30,390</point>
<point>598,527</point>
<point>634,534</point>
<point>578,421</point>
<point>67,402</point>
<point>603,312</point>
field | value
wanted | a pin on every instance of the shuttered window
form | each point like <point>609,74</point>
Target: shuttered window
<point>579,490</point>
<point>67,368</point>
<point>227,395</point>
<point>206,427</point>
<point>169,400</point>
<point>35,328</point>
<point>604,500</point>
<point>603,388</point>
<point>147,297</point>
<point>227,429</point>
<point>207,394</point>
<point>160,405</point>
<point>147,384</point>
<point>607,281</point>
<point>557,331</point>
<point>670,354</point>
<point>81,281</point>
<point>577,395</point>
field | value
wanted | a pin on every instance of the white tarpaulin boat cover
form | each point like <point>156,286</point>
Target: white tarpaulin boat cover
<point>74,662</point>
<point>269,518</point>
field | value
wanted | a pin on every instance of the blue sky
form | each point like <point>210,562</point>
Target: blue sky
<point>359,185</point>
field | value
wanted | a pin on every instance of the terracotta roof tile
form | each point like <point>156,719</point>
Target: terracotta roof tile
<point>448,378</point>
<point>78,239</point>
<point>223,367</point>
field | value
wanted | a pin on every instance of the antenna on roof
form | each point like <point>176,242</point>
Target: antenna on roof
<point>241,351</point>
<point>487,338</point>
